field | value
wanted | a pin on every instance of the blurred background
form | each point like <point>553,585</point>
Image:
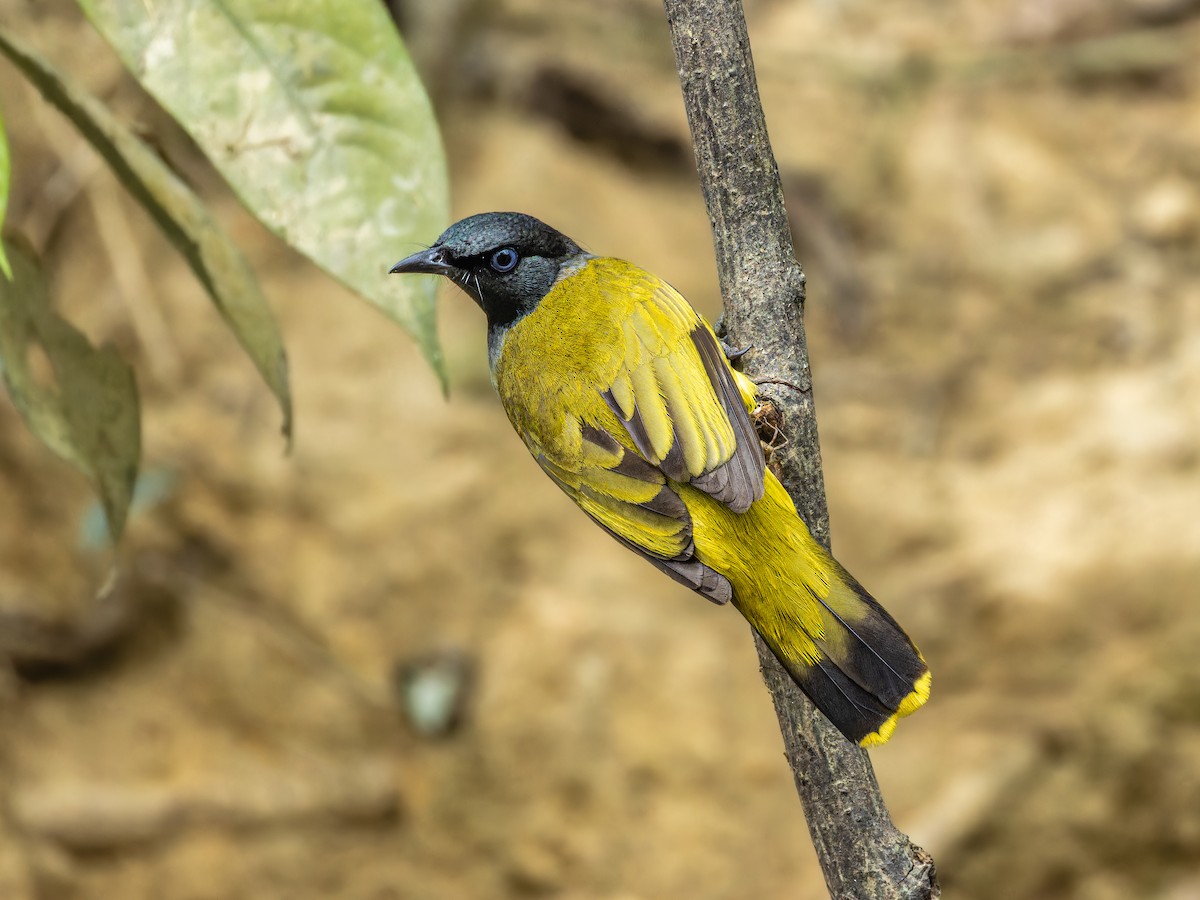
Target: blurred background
<point>399,664</point>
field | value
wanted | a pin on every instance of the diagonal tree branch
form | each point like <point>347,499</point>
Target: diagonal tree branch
<point>862,854</point>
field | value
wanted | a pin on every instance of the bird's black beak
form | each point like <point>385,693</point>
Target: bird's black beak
<point>432,261</point>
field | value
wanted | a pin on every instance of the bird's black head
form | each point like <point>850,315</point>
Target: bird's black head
<point>506,261</point>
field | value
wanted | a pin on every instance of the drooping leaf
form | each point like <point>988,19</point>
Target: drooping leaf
<point>81,401</point>
<point>315,115</point>
<point>5,164</point>
<point>183,217</point>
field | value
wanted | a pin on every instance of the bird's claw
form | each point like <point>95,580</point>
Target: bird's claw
<point>732,353</point>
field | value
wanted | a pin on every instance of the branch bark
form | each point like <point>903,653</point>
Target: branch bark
<point>862,854</point>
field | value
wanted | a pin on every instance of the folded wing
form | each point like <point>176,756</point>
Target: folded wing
<point>676,398</point>
<point>676,416</point>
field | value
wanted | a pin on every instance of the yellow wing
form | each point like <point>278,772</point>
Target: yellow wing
<point>654,406</point>
<point>678,401</point>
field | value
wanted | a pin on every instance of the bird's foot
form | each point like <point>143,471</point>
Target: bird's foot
<point>732,353</point>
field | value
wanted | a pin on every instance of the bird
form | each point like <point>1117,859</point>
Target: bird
<point>624,395</point>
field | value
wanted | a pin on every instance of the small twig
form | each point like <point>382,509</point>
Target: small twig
<point>794,387</point>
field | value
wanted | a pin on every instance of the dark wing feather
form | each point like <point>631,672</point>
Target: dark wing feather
<point>738,481</point>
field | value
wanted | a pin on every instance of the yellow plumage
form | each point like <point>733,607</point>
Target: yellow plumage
<point>610,327</point>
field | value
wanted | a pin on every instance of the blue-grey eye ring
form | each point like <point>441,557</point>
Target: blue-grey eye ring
<point>504,260</point>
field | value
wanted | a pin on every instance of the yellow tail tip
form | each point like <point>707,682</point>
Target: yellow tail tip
<point>908,706</point>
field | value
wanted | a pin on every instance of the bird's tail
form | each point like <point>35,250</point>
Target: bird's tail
<point>846,653</point>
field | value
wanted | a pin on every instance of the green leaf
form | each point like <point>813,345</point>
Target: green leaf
<point>183,217</point>
<point>315,115</point>
<point>82,402</point>
<point>5,171</point>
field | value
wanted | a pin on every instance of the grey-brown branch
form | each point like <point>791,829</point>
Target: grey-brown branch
<point>862,854</point>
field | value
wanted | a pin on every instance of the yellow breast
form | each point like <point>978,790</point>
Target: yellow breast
<point>555,363</point>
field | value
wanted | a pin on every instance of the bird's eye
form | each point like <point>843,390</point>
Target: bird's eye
<point>504,260</point>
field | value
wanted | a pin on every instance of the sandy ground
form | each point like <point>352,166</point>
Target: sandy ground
<point>998,207</point>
